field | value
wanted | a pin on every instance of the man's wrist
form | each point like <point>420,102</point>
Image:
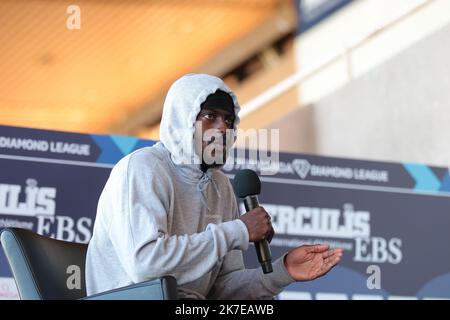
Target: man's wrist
<point>244,229</point>
<point>287,265</point>
<point>237,233</point>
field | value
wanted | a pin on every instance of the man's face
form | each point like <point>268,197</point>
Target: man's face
<point>210,135</point>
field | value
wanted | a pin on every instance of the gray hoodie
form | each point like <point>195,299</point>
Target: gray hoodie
<point>159,214</point>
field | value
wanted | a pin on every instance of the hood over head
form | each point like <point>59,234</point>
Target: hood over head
<point>181,107</point>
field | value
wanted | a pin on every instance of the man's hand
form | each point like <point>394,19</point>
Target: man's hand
<point>309,262</point>
<point>258,224</point>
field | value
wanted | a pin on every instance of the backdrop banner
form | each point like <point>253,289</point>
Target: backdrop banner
<point>391,219</point>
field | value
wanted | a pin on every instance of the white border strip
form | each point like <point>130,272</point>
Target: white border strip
<point>352,186</point>
<point>59,161</point>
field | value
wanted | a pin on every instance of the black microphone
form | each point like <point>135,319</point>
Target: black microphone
<point>247,186</point>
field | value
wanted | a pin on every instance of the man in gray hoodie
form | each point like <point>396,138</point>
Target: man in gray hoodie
<point>169,210</point>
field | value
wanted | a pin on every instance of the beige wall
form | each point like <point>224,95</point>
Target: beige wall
<point>398,111</point>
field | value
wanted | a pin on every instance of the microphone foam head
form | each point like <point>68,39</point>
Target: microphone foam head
<point>246,183</point>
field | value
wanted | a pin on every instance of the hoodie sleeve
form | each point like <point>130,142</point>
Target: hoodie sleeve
<point>236,282</point>
<point>138,230</point>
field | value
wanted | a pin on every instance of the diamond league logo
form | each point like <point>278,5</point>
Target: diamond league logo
<point>301,166</point>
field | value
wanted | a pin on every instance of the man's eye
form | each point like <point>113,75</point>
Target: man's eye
<point>209,116</point>
<point>229,122</point>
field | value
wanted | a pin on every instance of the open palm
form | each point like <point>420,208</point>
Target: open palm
<point>309,262</point>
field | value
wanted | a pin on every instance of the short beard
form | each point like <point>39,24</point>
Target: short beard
<point>205,166</point>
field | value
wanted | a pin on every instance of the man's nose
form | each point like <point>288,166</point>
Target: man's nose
<point>221,125</point>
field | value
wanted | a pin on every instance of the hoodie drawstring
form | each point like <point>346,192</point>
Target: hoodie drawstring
<point>203,184</point>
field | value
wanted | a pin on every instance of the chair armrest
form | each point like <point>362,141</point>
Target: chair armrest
<point>164,288</point>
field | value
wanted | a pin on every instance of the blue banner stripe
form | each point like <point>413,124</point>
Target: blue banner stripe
<point>144,143</point>
<point>425,179</point>
<point>110,152</point>
<point>114,148</point>
<point>445,185</point>
<point>125,144</point>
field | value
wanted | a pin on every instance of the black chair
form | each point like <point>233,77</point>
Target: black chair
<point>42,268</point>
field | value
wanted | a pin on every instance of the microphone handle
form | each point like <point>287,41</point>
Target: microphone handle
<point>262,247</point>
